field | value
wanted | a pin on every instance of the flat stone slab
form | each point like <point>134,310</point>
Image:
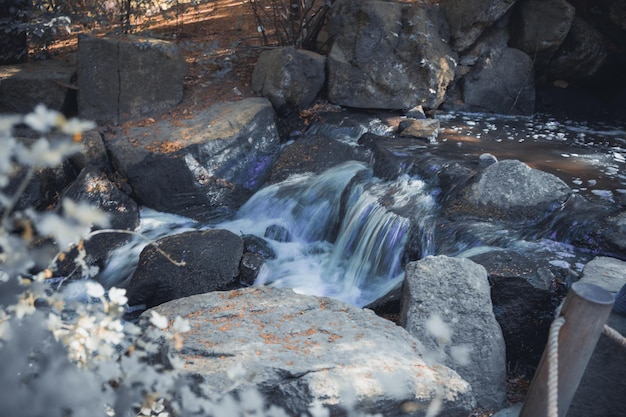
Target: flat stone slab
<point>296,349</point>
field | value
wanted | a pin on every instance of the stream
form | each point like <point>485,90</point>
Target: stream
<point>347,234</point>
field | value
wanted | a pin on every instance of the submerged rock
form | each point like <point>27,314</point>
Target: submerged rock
<point>297,350</point>
<point>511,190</point>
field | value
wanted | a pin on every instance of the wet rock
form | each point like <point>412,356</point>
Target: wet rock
<point>420,128</point>
<point>296,349</point>
<point>204,166</point>
<point>121,78</point>
<point>501,82</point>
<point>250,266</point>
<point>602,390</point>
<point>539,27</point>
<point>392,156</point>
<point>387,55</point>
<point>314,154</point>
<point>24,86</point>
<point>468,19</point>
<point>486,159</point>
<point>255,244</point>
<point>290,78</point>
<point>510,189</point>
<point>277,233</point>
<point>469,340</point>
<point>211,263</point>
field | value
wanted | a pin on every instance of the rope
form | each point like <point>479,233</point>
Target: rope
<point>614,335</point>
<point>553,367</point>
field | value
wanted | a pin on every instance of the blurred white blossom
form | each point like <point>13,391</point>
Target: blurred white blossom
<point>158,320</point>
<point>118,296</point>
<point>439,329</point>
<point>94,289</point>
<point>44,154</point>
<point>43,119</point>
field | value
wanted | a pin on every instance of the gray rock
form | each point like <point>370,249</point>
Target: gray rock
<point>468,19</point>
<point>457,291</point>
<point>290,78</point>
<point>121,78</point>
<point>538,27</point>
<point>501,82</point>
<point>581,56</point>
<point>24,86</point>
<point>204,166</point>
<point>211,262</point>
<point>615,231</point>
<point>510,189</point>
<point>387,55</point>
<point>605,272</point>
<point>512,411</point>
<point>601,391</point>
<point>296,349</point>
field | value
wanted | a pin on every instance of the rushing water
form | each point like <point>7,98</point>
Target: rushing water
<point>344,233</point>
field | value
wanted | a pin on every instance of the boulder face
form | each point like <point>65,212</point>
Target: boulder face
<point>211,263</point>
<point>538,27</point>
<point>469,18</point>
<point>297,350</point>
<point>387,55</point>
<point>121,78</point>
<point>290,78</point>
<point>501,82</point>
<point>581,56</point>
<point>24,86</point>
<point>446,305</point>
<point>512,190</point>
<point>204,166</point>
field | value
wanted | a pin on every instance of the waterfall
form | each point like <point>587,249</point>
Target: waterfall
<point>347,228</point>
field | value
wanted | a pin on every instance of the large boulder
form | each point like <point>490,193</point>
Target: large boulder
<point>204,166</point>
<point>387,55</point>
<point>298,350</point>
<point>186,264</point>
<point>502,81</point>
<point>468,19</point>
<point>581,55</point>
<point>601,391</point>
<point>615,232</point>
<point>121,78</point>
<point>24,86</point>
<point>290,78</point>
<point>538,27</point>
<point>511,190</point>
<point>447,306</point>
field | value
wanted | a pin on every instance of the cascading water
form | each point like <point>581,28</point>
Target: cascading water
<point>347,234</point>
<point>345,228</point>
<point>354,257</point>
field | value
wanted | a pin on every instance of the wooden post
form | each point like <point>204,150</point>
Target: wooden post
<point>586,309</point>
